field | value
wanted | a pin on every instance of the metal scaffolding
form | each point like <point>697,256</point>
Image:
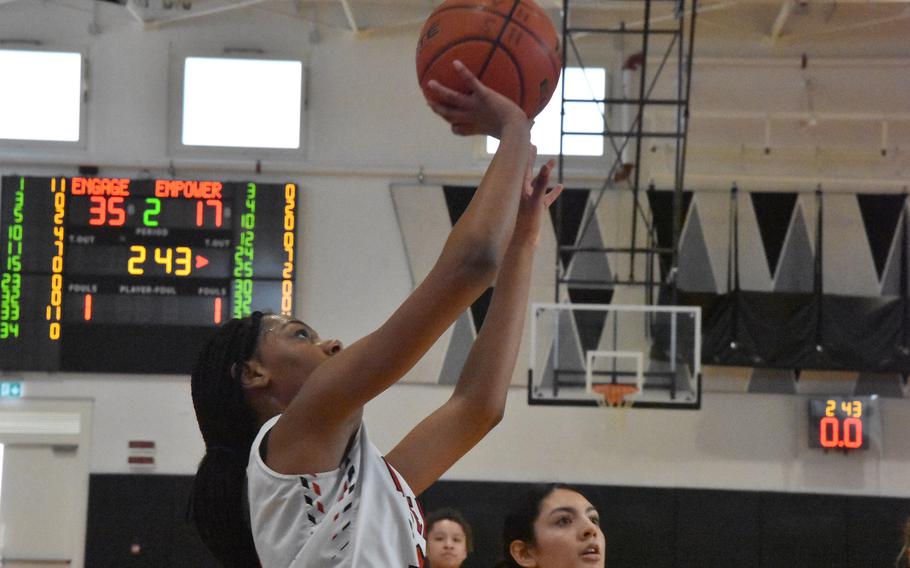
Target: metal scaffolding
<point>625,131</point>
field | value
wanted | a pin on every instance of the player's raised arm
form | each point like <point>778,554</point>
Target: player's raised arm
<point>317,423</point>
<point>478,401</point>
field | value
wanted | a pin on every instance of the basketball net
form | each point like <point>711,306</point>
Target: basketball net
<point>620,396</point>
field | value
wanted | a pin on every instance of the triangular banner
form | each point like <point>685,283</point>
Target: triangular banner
<point>566,215</point>
<point>773,212</point>
<point>891,278</point>
<point>589,323</point>
<point>662,212</point>
<point>457,200</point>
<point>479,308</point>
<point>695,271</point>
<point>457,352</point>
<point>796,270</point>
<point>589,267</point>
<point>881,214</point>
<point>566,350</point>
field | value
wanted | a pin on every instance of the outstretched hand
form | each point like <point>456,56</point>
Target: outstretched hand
<point>480,110</point>
<point>535,200</point>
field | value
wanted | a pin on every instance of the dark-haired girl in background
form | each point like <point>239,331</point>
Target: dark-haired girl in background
<point>552,526</point>
<point>288,463</point>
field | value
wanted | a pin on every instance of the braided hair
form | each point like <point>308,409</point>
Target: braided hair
<point>228,425</point>
<point>519,523</point>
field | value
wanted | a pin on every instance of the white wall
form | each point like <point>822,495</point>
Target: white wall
<point>368,127</point>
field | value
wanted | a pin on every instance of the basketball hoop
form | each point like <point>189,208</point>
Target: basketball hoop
<point>618,396</point>
<point>614,394</point>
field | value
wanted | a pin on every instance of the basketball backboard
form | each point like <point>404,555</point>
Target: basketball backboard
<point>579,350</point>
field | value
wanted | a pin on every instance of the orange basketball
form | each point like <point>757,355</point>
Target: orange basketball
<point>510,45</point>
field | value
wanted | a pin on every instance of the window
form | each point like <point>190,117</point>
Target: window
<point>42,99</point>
<point>581,84</point>
<point>242,103</point>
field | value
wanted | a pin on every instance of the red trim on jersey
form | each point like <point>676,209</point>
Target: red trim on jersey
<point>394,476</point>
<point>420,558</point>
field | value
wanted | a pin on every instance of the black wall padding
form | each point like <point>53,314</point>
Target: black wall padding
<point>144,510</point>
<point>645,527</point>
<point>702,528</point>
<point>782,330</point>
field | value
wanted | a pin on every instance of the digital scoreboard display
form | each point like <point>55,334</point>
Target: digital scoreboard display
<point>842,423</point>
<point>131,275</point>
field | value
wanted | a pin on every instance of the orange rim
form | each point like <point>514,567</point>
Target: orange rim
<point>614,394</point>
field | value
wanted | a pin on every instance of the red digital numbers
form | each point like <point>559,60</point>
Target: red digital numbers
<point>214,204</point>
<point>831,436</point>
<point>106,211</point>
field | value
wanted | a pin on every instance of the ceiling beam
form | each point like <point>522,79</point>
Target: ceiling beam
<point>196,14</point>
<point>905,14</point>
<point>778,27</point>
<point>349,14</point>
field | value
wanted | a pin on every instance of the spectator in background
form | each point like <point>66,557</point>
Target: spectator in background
<point>552,526</point>
<point>449,539</point>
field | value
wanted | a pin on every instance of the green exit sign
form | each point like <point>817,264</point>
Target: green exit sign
<point>10,389</point>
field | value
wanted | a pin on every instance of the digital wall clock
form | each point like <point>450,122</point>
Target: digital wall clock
<point>842,422</point>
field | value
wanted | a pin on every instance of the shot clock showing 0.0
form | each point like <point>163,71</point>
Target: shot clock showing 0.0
<point>842,423</point>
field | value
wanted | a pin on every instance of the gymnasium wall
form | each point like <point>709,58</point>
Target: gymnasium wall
<point>353,266</point>
<point>368,128</point>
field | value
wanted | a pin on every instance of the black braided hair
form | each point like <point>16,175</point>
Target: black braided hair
<point>519,523</point>
<point>228,425</point>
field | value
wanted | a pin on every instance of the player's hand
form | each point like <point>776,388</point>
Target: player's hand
<point>535,200</point>
<point>479,110</point>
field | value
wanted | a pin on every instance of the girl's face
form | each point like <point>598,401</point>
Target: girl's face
<point>288,352</point>
<point>567,534</point>
<point>447,545</point>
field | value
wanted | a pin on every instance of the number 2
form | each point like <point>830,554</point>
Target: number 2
<point>148,214</point>
<point>134,260</point>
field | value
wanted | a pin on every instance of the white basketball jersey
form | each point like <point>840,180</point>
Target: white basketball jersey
<point>361,515</point>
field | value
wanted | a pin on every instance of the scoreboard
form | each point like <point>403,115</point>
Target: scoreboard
<point>132,275</point>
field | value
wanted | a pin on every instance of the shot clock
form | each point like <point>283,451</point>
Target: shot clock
<point>843,423</point>
<point>131,275</point>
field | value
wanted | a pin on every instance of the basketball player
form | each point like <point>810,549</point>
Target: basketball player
<point>289,465</point>
<point>553,526</point>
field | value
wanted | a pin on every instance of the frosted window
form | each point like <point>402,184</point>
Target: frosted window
<point>41,95</point>
<point>581,83</point>
<point>243,103</point>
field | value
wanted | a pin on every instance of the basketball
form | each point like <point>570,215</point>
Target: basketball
<point>511,46</point>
